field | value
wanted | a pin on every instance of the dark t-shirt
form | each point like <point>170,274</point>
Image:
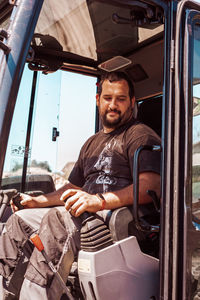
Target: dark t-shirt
<point>105,161</point>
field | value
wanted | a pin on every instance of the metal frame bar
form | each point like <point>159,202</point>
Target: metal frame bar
<point>28,133</point>
<point>24,18</point>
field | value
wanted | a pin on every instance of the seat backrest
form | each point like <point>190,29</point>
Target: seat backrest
<point>119,221</point>
<point>121,224</point>
<point>150,113</point>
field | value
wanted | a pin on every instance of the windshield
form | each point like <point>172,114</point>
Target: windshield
<point>70,24</point>
<point>88,28</point>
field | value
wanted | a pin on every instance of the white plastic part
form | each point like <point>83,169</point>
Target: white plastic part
<point>120,271</point>
<point>115,63</point>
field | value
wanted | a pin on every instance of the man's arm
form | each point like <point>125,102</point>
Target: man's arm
<point>46,200</point>
<point>124,197</point>
<point>78,201</point>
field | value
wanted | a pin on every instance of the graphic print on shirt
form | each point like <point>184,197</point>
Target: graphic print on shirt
<point>104,166</point>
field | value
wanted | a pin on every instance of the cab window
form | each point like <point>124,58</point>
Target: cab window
<point>196,123</point>
<point>48,131</point>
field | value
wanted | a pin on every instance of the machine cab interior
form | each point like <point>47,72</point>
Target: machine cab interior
<point>48,77</point>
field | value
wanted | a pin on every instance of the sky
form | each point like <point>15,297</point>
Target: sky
<point>63,100</point>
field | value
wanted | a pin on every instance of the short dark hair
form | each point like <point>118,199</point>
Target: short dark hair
<point>116,76</point>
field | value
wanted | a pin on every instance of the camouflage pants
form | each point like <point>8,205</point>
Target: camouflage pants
<point>60,234</point>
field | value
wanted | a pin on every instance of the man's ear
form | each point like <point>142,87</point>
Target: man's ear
<point>97,99</point>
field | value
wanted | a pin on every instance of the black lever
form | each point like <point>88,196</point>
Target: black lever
<point>5,197</point>
<point>155,199</point>
<point>95,234</point>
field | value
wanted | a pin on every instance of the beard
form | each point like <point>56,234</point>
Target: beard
<point>117,121</point>
<point>109,122</point>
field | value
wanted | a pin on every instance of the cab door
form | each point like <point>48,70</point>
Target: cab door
<point>180,254</point>
<point>191,237</point>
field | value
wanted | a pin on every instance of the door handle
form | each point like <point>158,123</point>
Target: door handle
<point>55,134</point>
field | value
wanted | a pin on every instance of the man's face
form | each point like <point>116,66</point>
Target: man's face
<point>115,105</point>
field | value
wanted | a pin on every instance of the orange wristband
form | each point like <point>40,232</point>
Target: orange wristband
<point>103,201</point>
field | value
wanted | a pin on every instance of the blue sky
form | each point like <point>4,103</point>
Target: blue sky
<point>63,100</point>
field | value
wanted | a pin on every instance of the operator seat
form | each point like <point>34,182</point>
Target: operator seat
<point>121,221</point>
<point>121,224</point>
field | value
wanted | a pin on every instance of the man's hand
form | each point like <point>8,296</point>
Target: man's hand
<point>29,202</point>
<point>77,202</point>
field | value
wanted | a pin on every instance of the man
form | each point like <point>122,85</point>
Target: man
<point>100,180</point>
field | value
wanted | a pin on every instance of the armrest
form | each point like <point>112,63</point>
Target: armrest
<point>118,223</point>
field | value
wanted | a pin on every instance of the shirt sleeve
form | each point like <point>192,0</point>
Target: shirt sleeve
<point>148,161</point>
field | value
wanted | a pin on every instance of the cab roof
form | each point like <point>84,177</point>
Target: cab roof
<point>80,35</point>
<point>83,34</point>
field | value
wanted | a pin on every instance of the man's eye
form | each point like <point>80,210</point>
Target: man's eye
<point>108,98</point>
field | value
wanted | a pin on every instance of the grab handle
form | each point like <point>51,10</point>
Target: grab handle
<point>138,223</point>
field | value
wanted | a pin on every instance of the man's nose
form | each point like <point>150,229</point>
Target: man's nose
<point>113,103</point>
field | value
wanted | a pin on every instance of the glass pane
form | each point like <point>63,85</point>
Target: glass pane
<point>193,259</point>
<point>16,143</point>
<point>86,28</point>
<point>196,124</point>
<point>64,102</point>
<point>68,23</point>
<point>76,119</point>
<point>43,149</point>
<point>42,159</point>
